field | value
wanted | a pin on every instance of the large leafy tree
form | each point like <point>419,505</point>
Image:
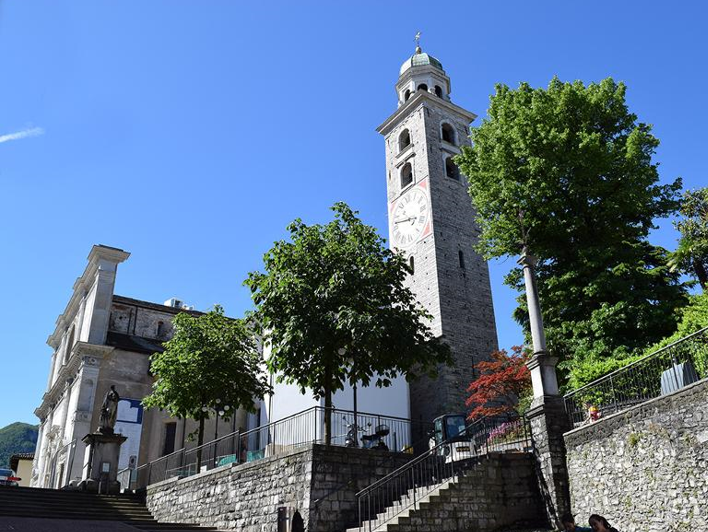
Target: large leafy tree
<point>210,361</point>
<point>334,308</point>
<point>500,383</point>
<point>568,171</point>
<point>692,253</point>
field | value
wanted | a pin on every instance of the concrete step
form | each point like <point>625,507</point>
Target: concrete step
<point>157,526</point>
<point>65,507</point>
<point>55,504</point>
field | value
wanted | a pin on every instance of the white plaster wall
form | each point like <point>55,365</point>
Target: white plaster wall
<point>287,401</point>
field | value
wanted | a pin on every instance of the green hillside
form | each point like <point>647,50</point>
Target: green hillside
<point>16,438</point>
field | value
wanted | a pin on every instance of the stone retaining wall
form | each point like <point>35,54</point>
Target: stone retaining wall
<point>645,468</point>
<point>320,482</point>
<point>499,493</point>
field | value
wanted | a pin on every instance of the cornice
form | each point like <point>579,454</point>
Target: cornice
<point>82,355</point>
<point>408,75</point>
<point>420,99</point>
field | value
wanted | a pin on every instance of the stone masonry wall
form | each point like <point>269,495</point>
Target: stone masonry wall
<point>338,474</point>
<point>498,493</point>
<point>317,481</point>
<point>646,468</point>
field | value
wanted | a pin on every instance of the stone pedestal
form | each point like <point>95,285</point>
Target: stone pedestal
<point>549,420</point>
<point>101,462</point>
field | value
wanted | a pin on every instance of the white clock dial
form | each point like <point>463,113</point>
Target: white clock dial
<point>409,218</point>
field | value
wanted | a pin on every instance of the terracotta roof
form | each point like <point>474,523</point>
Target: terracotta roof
<point>15,459</point>
<point>138,344</point>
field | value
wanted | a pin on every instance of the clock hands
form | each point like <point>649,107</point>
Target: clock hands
<point>405,219</point>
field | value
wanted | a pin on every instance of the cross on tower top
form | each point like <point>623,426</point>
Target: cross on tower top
<point>418,49</point>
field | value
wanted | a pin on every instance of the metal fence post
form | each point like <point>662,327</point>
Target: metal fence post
<point>674,369</point>
<point>486,437</point>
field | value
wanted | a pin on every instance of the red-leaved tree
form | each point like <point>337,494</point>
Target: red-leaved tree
<point>501,382</point>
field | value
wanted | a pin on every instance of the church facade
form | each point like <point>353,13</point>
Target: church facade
<point>103,339</point>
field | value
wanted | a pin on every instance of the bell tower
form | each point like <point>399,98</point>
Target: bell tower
<point>431,221</point>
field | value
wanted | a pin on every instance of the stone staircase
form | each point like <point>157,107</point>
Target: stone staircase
<point>483,497</point>
<point>402,509</point>
<point>38,503</point>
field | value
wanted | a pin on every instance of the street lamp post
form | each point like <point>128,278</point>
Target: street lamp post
<point>355,432</point>
<point>219,410</point>
<point>222,412</point>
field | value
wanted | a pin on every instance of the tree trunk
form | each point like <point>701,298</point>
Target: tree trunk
<point>200,441</point>
<point>700,270</point>
<point>328,417</point>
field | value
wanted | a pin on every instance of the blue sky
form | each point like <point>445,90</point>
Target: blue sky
<point>191,132</point>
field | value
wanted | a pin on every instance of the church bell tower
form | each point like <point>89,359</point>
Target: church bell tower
<point>431,221</point>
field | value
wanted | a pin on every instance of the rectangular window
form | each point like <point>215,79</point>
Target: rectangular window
<point>170,433</point>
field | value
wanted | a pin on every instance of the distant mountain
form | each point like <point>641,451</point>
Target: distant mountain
<point>17,438</point>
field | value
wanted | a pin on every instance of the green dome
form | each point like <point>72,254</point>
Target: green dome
<point>420,58</point>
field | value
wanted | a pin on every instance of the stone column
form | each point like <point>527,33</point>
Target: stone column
<point>547,415</point>
<point>38,463</point>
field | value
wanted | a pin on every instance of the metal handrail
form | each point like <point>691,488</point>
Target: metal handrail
<point>292,431</point>
<point>402,488</point>
<point>467,430</point>
<point>650,376</point>
<point>631,365</point>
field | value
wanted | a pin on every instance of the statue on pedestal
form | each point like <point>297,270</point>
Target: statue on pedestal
<point>100,469</point>
<point>109,411</point>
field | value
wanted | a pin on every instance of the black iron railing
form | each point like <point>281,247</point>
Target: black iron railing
<point>386,498</point>
<point>274,438</point>
<point>659,373</point>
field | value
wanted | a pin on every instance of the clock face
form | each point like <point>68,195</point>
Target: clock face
<point>409,218</point>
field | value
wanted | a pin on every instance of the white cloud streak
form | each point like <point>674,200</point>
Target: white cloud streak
<point>25,133</point>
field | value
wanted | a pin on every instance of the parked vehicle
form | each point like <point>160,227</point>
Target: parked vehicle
<point>8,478</point>
<point>376,440</point>
<point>368,441</point>
<point>452,438</point>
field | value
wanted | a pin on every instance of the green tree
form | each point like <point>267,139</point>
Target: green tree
<point>568,170</point>
<point>210,357</point>
<point>692,254</point>
<point>334,309</point>
<point>692,318</point>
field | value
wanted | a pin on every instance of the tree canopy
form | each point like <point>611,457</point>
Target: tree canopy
<point>501,382</point>
<point>334,309</point>
<point>211,361</point>
<point>692,254</point>
<point>568,170</point>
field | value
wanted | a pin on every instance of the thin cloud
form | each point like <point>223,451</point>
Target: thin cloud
<point>31,132</point>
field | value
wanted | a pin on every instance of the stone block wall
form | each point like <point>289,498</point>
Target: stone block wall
<point>141,320</point>
<point>646,468</point>
<point>498,493</point>
<point>318,481</point>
